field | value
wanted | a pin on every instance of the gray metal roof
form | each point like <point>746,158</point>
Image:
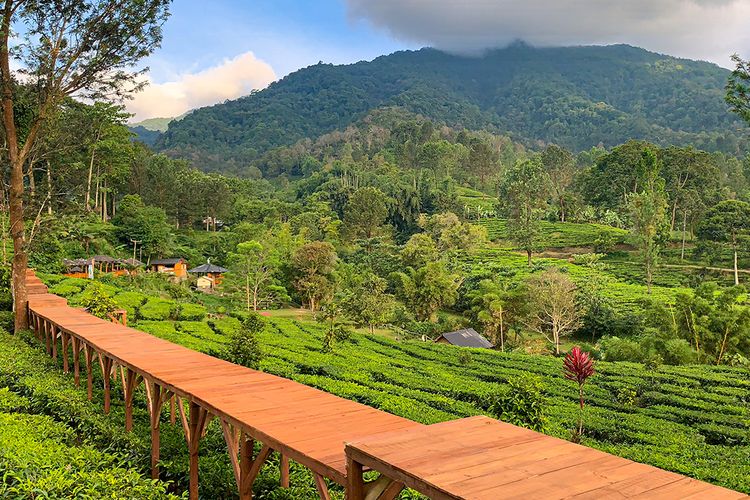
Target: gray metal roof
<point>467,337</point>
<point>208,268</point>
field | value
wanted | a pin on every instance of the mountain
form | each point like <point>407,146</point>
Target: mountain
<point>154,124</point>
<point>577,97</point>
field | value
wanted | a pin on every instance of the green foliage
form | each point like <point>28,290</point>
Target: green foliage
<point>147,224</point>
<point>191,312</point>
<point>69,287</point>
<point>98,302</point>
<point>244,347</point>
<point>522,403</point>
<point>156,309</point>
<point>427,289</point>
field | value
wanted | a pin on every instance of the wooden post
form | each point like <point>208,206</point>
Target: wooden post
<point>47,338</point>
<point>284,464</point>
<point>76,361</point>
<point>197,425</point>
<point>106,365</point>
<point>155,395</point>
<point>172,415</point>
<point>88,353</point>
<point>130,382</point>
<point>53,329</point>
<point>246,463</point>
<point>356,487</point>
<point>64,340</point>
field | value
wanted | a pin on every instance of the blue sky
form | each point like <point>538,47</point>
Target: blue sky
<point>224,49</point>
<point>288,34</point>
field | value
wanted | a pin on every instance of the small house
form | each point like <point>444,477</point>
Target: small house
<point>104,263</point>
<point>175,266</point>
<point>209,275</point>
<point>467,337</point>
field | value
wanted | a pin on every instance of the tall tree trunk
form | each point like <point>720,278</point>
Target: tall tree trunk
<point>15,160</point>
<point>528,257</point>
<point>32,182</point>
<point>91,169</point>
<point>674,215</point>
<point>736,270</point>
<point>684,232</point>
<point>49,188</point>
<point>96,192</point>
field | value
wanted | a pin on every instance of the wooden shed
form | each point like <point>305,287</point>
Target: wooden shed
<point>176,266</point>
<point>466,337</point>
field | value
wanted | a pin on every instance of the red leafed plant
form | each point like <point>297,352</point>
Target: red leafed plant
<point>578,367</point>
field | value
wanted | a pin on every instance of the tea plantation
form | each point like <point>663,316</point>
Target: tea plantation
<point>690,419</point>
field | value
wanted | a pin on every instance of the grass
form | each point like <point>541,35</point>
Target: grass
<point>560,234</point>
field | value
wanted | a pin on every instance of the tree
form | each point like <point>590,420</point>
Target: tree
<point>253,266</point>
<point>136,221</point>
<point>560,165</point>
<point>243,347</point>
<point>727,222</point>
<point>553,311</point>
<point>365,213</point>
<point>366,302</point>
<point>314,263</point>
<point>738,89</point>
<point>496,307</point>
<point>648,213</point>
<point>450,234</point>
<point>419,250</point>
<point>71,47</point>
<point>427,289</point>
<point>523,195</point>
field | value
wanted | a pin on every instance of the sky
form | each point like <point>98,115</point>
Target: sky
<point>224,49</point>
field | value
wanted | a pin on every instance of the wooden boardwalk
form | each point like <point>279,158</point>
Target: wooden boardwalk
<point>483,459</point>
<point>299,422</point>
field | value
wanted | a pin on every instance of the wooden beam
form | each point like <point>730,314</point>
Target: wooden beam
<point>156,396</point>
<point>320,485</point>
<point>53,330</point>
<point>199,417</point>
<point>88,353</point>
<point>284,466</point>
<point>355,488</point>
<point>130,382</point>
<point>76,361</point>
<point>383,488</point>
<point>47,338</point>
<point>64,339</point>
<point>232,436</point>
<point>106,365</point>
<point>246,463</point>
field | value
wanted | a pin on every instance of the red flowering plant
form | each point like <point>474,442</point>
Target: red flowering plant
<point>578,367</point>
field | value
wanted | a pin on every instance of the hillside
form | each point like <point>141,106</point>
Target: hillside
<point>577,97</point>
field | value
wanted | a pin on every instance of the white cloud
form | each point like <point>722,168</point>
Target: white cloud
<point>231,79</point>
<point>699,29</point>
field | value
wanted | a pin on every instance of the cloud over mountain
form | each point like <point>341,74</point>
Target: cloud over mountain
<point>699,29</point>
<point>231,79</point>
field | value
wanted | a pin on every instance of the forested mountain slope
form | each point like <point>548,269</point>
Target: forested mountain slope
<point>577,97</point>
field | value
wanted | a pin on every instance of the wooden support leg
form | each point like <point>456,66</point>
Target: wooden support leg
<point>53,330</point>
<point>246,463</point>
<point>232,437</point>
<point>64,340</point>
<point>197,426</point>
<point>88,353</point>
<point>156,396</point>
<point>172,415</point>
<point>106,365</point>
<point>355,489</point>
<point>321,486</point>
<point>47,338</point>
<point>130,383</point>
<point>76,361</point>
<point>284,465</point>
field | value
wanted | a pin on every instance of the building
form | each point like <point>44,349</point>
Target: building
<point>209,275</point>
<point>467,337</point>
<point>175,266</point>
<point>76,268</point>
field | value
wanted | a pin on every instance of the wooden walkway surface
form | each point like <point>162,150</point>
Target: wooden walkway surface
<point>481,458</point>
<point>299,422</point>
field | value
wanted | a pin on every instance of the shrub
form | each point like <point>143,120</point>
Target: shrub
<point>464,358</point>
<point>191,312</point>
<point>194,328</point>
<point>156,309</point>
<point>225,326</point>
<point>244,348</point>
<point>10,401</point>
<point>98,302</point>
<point>6,321</point>
<point>618,349</point>
<point>522,403</point>
<point>131,302</point>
